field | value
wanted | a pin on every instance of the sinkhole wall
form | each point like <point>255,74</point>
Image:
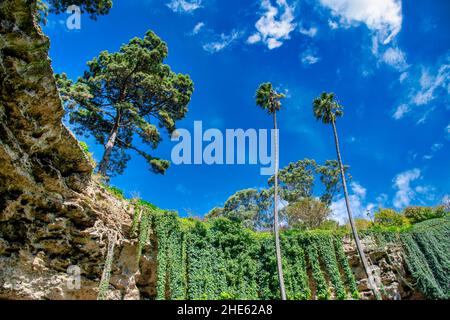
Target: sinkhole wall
<point>222,260</point>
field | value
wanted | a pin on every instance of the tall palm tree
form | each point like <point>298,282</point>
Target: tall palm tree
<point>268,99</point>
<point>327,109</point>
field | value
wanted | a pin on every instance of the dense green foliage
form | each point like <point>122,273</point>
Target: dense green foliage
<point>221,259</point>
<point>390,218</point>
<point>419,214</point>
<point>307,213</point>
<point>427,251</point>
<point>115,191</point>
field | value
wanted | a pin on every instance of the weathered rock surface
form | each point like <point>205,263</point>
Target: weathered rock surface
<point>53,215</point>
<point>388,268</point>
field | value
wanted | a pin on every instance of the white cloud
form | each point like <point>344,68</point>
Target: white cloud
<point>434,148</point>
<point>382,200</point>
<point>254,38</point>
<point>423,85</point>
<point>402,182</point>
<point>384,17</point>
<point>197,28</point>
<point>446,200</point>
<point>447,132</point>
<point>275,25</point>
<point>358,189</point>
<point>333,24</point>
<point>184,6</point>
<point>401,111</point>
<point>311,32</point>
<point>357,199</point>
<point>403,77</point>
<point>309,57</point>
<point>395,57</point>
<point>223,42</point>
<point>273,43</point>
<point>429,83</point>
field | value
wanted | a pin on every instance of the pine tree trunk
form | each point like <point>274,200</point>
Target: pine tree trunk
<point>352,223</point>
<point>103,167</point>
<point>275,215</point>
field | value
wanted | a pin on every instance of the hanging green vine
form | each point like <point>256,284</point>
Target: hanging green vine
<point>343,262</point>
<point>136,220</point>
<point>223,260</point>
<point>419,268</point>
<point>328,258</point>
<point>144,232</point>
<point>171,272</point>
<point>268,287</point>
<point>427,257</point>
<point>296,276</point>
<point>205,267</point>
<point>322,290</point>
<point>237,250</point>
<point>106,275</point>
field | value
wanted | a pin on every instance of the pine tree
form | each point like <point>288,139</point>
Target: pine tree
<point>127,95</point>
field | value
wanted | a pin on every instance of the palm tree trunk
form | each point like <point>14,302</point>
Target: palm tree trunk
<point>103,167</point>
<point>275,215</point>
<point>352,223</point>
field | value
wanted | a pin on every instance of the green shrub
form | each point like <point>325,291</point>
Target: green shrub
<point>89,154</point>
<point>116,192</point>
<point>330,225</point>
<point>361,224</point>
<point>390,218</point>
<point>146,204</point>
<point>419,214</point>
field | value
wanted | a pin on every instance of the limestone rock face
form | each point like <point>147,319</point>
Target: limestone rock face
<point>53,216</point>
<point>388,268</point>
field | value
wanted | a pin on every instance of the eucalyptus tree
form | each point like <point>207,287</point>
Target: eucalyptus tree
<point>327,109</point>
<point>269,99</point>
<point>296,180</point>
<point>306,213</point>
<point>330,177</point>
<point>127,96</point>
<point>248,206</point>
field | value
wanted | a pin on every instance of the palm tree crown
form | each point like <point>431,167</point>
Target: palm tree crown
<point>326,108</point>
<point>268,99</point>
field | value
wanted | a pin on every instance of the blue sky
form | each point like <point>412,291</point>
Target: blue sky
<point>388,61</point>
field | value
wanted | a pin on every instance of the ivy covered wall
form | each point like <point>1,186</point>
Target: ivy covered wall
<point>222,260</point>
